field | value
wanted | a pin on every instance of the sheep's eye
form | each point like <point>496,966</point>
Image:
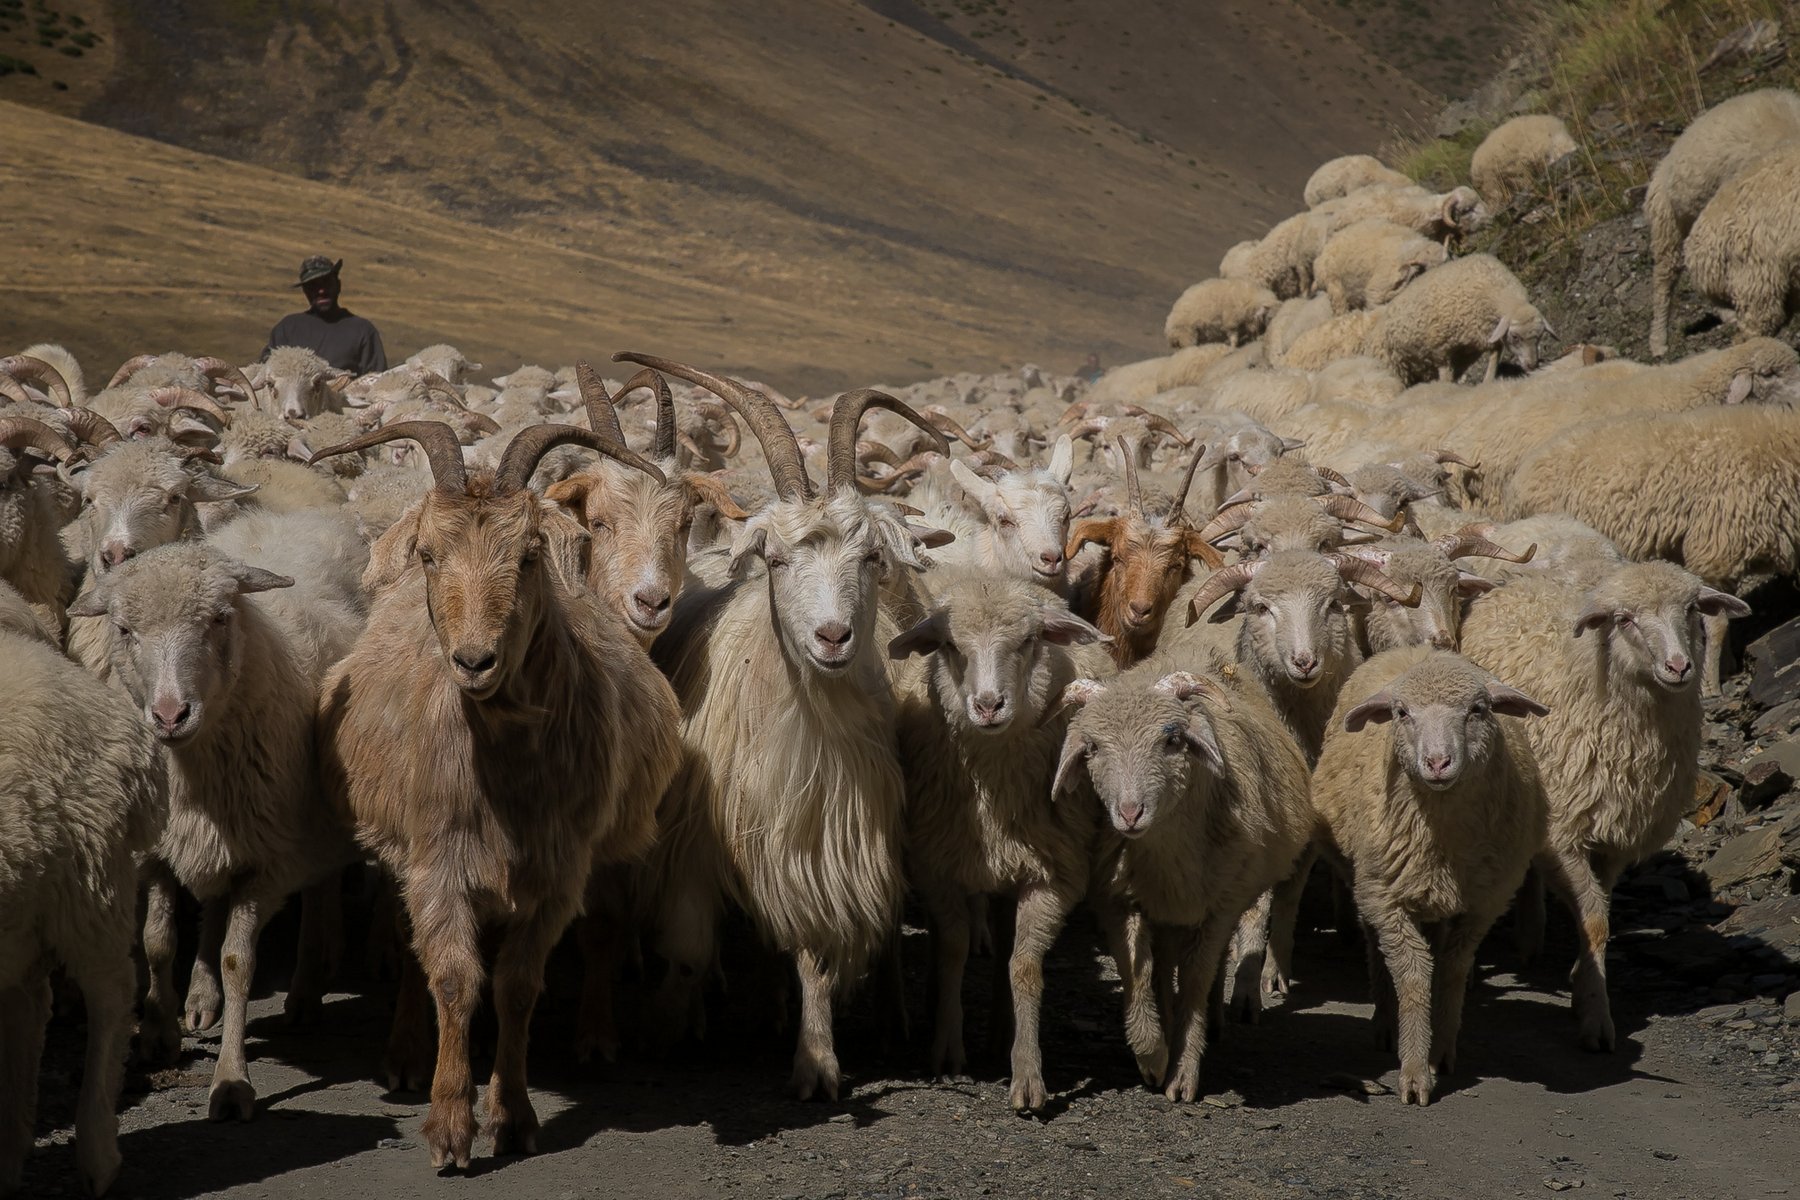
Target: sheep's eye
<point>171,500</point>
<point>222,617</point>
<point>1624,619</point>
<point>1480,710</point>
<point>1172,740</point>
<point>1403,715</point>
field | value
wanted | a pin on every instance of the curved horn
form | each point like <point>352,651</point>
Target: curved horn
<point>1079,409</point>
<point>903,472</point>
<point>130,367</point>
<point>13,390</point>
<point>846,418</point>
<point>1451,456</point>
<point>993,458</point>
<point>180,397</point>
<point>1222,582</point>
<point>91,427</point>
<point>437,439</point>
<point>1361,570</point>
<point>780,447</point>
<point>1472,541</point>
<point>213,368</point>
<point>1089,427</point>
<point>665,408</point>
<point>438,388</point>
<point>879,452</point>
<point>520,458</point>
<point>1328,475</point>
<point>1159,423</point>
<point>947,424</point>
<point>602,417</point>
<point>1184,685</point>
<point>24,366</point>
<point>23,433</point>
<point>1227,520</point>
<point>200,454</point>
<point>1178,510</point>
<point>480,421</point>
<point>1349,508</point>
<point>712,410</point>
<point>1134,497</point>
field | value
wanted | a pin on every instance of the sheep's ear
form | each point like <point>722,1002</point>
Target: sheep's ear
<point>1075,750</point>
<point>1511,702</point>
<point>392,552</point>
<point>1593,617</point>
<point>927,637</point>
<point>1062,460</point>
<point>1289,445</point>
<point>90,604</point>
<point>1500,330</point>
<point>970,482</point>
<point>1468,586</point>
<point>298,450</point>
<point>1741,385</point>
<point>255,579</point>
<point>207,486</point>
<point>1715,603</point>
<point>1378,708</point>
<point>1064,628</point>
<point>749,544</point>
<point>1203,743</point>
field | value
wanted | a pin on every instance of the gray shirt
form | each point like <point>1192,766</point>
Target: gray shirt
<point>340,337</point>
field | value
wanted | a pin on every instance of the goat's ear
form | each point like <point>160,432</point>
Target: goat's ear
<point>567,538</point>
<point>1203,743</point>
<point>1469,585</point>
<point>1593,617</point>
<point>1378,708</point>
<point>1064,628</point>
<point>712,490</point>
<point>392,552</point>
<point>1198,547</point>
<point>978,488</point>
<point>927,637</point>
<point>1075,750</point>
<point>207,486</point>
<point>256,579</point>
<point>750,543</point>
<point>571,494</point>
<point>1510,701</point>
<point>1715,603</point>
<point>92,603</point>
<point>1089,529</point>
<point>1062,460</point>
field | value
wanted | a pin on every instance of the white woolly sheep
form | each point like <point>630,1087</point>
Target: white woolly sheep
<point>1283,260</point>
<point>1437,819</point>
<point>1443,218</point>
<point>1516,155</point>
<point>1352,172</point>
<point>31,554</point>
<point>1365,265</point>
<point>1744,249</point>
<point>1292,319</point>
<point>1620,749</point>
<point>1722,141</point>
<point>1453,315</point>
<point>294,383</point>
<point>1219,310</point>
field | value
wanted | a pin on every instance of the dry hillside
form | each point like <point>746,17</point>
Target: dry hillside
<point>819,191</point>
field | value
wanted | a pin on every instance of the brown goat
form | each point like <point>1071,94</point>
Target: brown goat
<point>494,732</point>
<point>1148,557</point>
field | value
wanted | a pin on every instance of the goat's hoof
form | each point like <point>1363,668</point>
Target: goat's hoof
<point>1597,1034</point>
<point>98,1166</point>
<point>231,1098</point>
<point>1028,1094</point>
<point>1185,1085</point>
<point>199,1019</point>
<point>1416,1085</point>
<point>514,1128</point>
<point>813,1076</point>
<point>449,1133</point>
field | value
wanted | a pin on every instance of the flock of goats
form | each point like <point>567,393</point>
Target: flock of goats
<point>554,655</point>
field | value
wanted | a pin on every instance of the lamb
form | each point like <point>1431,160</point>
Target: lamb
<point>1453,315</point>
<point>1232,311</point>
<point>1619,752</point>
<point>82,794</point>
<point>1437,822</point>
<point>979,757</point>
<point>1207,807</point>
<point>1723,141</point>
<point>1365,265</point>
<point>493,733</point>
<point>1516,155</point>
<point>789,798</point>
<point>299,384</point>
<point>228,685</point>
<point>1350,173</point>
<point>1744,249</point>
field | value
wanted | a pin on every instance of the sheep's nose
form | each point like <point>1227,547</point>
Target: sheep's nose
<point>170,714</point>
<point>1443,641</point>
<point>1130,812</point>
<point>1437,765</point>
<point>987,706</point>
<point>474,660</point>
<point>1304,662</point>
<point>114,553</point>
<point>835,634</point>
<point>651,600</point>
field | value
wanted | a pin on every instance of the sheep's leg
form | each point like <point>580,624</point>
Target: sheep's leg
<point>1381,991</point>
<point>603,940</point>
<point>447,941</point>
<point>1166,954</point>
<point>321,945</point>
<point>1455,960</point>
<point>1041,912</point>
<point>1128,940</point>
<point>102,967</point>
<point>1284,915</point>
<point>889,981</point>
<point>1408,957</point>
<point>1251,945</point>
<point>407,1061</point>
<point>1203,951</point>
<point>1662,294</point>
<point>815,1061</point>
<point>950,911</point>
<point>384,951</point>
<point>204,996</point>
<point>1717,628</point>
<point>518,981</point>
<point>24,1012</point>
<point>1003,919</point>
<point>1528,917</point>
<point>232,1094</point>
<point>981,932</point>
<point>159,1038</point>
<point>1574,878</point>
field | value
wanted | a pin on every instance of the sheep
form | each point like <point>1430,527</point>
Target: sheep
<point>299,383</point>
<point>1722,142</point>
<point>31,555</point>
<point>1724,507</point>
<point>1289,522</point>
<point>1148,555</point>
<point>1437,821</point>
<point>1352,335</point>
<point>1619,751</point>
<point>1366,264</point>
<point>1282,261</point>
<point>1452,315</point>
<point>1207,806</point>
<point>82,795</point>
<point>1744,249</point>
<point>493,733</point>
<point>1219,310</point>
<point>1444,587</point>
<point>1352,172</point>
<point>228,685</point>
<point>1010,520</point>
<point>978,757</point>
<point>50,365</point>
<point>1516,155</point>
<point>445,361</point>
<point>1292,319</point>
<point>174,411</point>
<point>143,494</point>
<point>1442,218</point>
<point>789,798</point>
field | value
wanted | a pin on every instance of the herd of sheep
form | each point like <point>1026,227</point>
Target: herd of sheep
<point>568,655</point>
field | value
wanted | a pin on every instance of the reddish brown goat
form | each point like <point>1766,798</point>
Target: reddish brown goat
<point>495,731</point>
<point>1149,555</point>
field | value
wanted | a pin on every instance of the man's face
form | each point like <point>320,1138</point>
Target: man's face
<point>322,294</point>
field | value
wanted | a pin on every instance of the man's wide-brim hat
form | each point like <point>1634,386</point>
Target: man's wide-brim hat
<point>317,267</point>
